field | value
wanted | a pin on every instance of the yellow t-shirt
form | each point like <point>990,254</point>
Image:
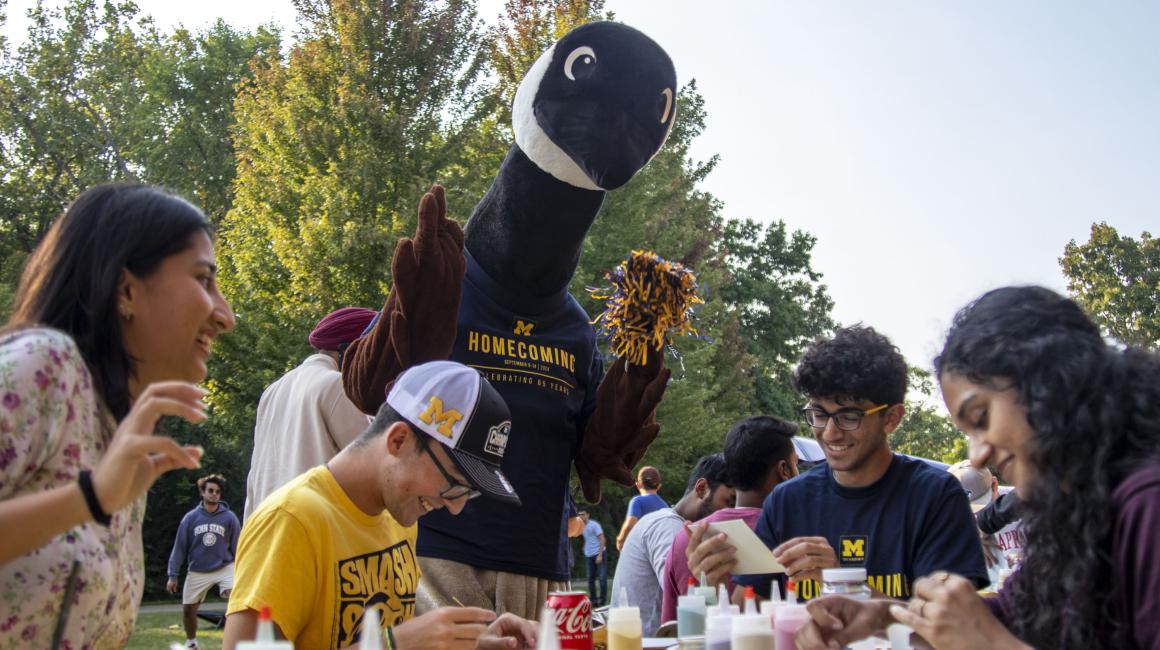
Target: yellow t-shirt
<point>319,562</point>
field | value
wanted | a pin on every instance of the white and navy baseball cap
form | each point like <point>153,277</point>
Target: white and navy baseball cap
<point>458,407</point>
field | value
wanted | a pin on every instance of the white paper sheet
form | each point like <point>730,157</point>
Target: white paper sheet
<point>753,557</point>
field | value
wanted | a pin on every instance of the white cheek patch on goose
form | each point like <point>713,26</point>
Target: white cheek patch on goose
<point>667,93</point>
<point>532,139</point>
<point>670,112</point>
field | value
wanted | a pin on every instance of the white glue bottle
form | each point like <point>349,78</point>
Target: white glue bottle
<point>372,634</point>
<point>751,631</point>
<point>549,637</point>
<point>624,628</point>
<point>265,639</point>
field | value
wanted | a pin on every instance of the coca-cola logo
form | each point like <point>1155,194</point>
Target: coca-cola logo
<point>575,620</point>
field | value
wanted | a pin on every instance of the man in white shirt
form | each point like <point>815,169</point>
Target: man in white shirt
<point>642,559</point>
<point>305,418</point>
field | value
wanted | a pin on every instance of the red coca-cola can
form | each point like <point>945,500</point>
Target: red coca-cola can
<point>573,619</point>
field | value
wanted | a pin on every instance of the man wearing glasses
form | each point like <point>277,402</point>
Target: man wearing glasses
<point>865,507</point>
<point>207,538</point>
<point>340,539</point>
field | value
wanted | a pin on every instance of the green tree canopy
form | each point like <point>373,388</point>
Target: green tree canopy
<point>926,430</point>
<point>95,93</point>
<point>1117,281</point>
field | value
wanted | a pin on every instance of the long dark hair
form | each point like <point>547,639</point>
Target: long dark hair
<point>70,280</point>
<point>1094,412</point>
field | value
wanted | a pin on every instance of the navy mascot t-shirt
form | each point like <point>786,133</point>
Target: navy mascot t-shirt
<point>913,521</point>
<point>542,358</point>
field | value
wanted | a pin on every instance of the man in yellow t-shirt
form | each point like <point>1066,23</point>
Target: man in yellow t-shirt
<point>340,538</point>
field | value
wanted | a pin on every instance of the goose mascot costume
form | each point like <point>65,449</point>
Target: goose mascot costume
<point>591,112</point>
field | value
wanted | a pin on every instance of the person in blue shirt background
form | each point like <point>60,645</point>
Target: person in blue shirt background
<point>648,481</point>
<point>597,567</point>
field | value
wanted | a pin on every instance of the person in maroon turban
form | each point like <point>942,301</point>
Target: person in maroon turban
<point>305,418</point>
<point>339,328</point>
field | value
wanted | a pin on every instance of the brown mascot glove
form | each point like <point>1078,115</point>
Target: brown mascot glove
<point>623,424</point>
<point>417,323</point>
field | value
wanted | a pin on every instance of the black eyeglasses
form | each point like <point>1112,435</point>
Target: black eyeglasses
<point>455,489</point>
<point>847,419</point>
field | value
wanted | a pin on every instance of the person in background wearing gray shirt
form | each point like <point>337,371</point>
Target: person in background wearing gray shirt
<point>642,560</point>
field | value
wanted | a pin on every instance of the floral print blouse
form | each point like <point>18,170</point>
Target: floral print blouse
<point>52,425</point>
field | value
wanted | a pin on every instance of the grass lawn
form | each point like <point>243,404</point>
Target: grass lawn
<point>157,631</point>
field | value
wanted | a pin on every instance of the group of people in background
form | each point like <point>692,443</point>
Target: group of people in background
<point>113,325</point>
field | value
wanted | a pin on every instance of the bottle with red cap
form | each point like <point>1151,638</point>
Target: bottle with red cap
<point>265,639</point>
<point>691,610</point>
<point>790,618</point>
<point>751,630</point>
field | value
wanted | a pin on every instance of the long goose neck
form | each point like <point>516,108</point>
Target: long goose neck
<point>529,229</point>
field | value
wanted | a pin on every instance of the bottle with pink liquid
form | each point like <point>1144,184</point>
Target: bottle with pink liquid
<point>790,618</point>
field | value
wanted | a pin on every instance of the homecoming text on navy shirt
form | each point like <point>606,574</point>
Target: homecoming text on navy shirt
<point>543,360</point>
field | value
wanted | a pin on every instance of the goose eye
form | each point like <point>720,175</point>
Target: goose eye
<point>667,94</point>
<point>581,63</point>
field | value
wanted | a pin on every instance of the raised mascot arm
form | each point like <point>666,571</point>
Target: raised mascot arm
<point>417,323</point>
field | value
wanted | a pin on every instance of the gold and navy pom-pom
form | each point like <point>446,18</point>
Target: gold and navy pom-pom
<point>649,303</point>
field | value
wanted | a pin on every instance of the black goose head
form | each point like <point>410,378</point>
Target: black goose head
<point>597,106</point>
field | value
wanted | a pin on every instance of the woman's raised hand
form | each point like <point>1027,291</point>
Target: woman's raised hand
<point>136,457</point>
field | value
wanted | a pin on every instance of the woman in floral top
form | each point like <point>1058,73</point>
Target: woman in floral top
<point>112,324</point>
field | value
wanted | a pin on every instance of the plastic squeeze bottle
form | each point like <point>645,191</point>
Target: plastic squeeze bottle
<point>372,634</point>
<point>769,607</point>
<point>624,628</point>
<point>265,639</point>
<point>548,638</point>
<point>750,601</point>
<point>719,624</point>
<point>751,631</point>
<point>790,617</point>
<point>707,591</point>
<point>690,613</point>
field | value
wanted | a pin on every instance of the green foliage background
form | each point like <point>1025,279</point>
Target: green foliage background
<point>1117,280</point>
<point>310,156</point>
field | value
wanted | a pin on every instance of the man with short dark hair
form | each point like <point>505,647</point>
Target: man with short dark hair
<point>208,539</point>
<point>897,517</point>
<point>340,539</point>
<point>648,482</point>
<point>594,545</point>
<point>759,454</point>
<point>641,567</point>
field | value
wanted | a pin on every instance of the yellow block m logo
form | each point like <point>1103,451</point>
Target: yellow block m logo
<point>524,328</point>
<point>443,419</point>
<point>853,548</point>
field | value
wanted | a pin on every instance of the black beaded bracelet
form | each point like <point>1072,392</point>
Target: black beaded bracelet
<point>85,481</point>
